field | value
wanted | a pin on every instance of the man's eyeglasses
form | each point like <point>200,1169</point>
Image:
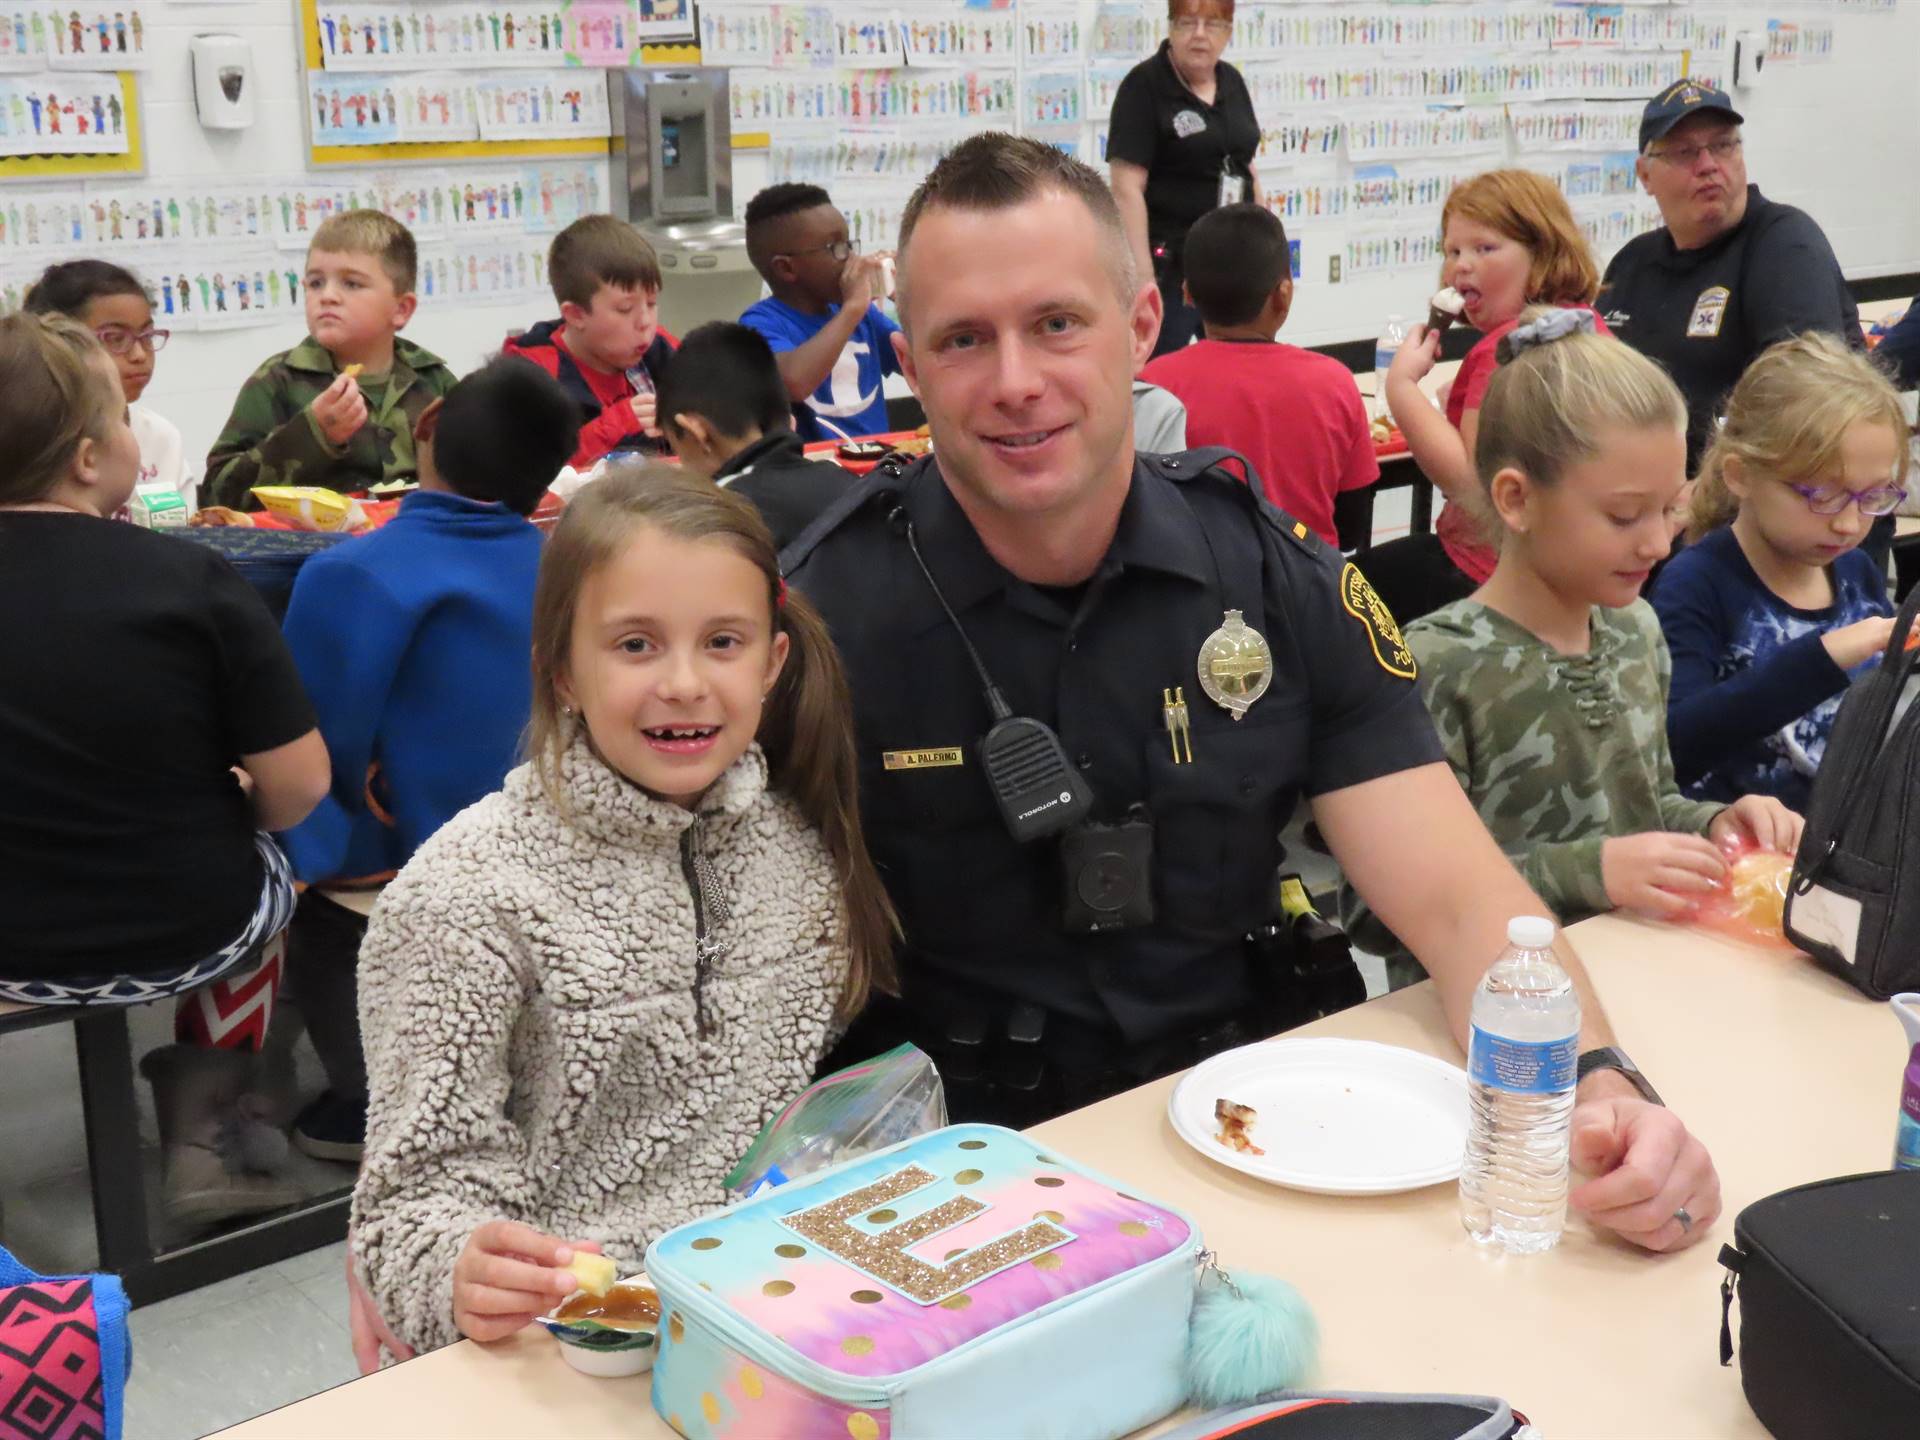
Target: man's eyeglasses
<point>840,250</point>
<point>1688,156</point>
<point>120,341</point>
<point>1831,499</point>
<point>1188,24</point>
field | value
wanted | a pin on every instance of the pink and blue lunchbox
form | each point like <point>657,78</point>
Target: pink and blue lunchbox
<point>962,1284</point>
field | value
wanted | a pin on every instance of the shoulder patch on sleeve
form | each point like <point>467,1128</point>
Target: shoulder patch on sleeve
<point>1363,603</point>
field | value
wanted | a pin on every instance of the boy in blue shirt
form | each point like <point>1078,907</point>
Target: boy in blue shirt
<point>833,344</point>
<point>413,644</point>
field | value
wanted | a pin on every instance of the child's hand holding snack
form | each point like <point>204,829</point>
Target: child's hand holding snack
<point>340,410</point>
<point>645,408</point>
<point>507,1274</point>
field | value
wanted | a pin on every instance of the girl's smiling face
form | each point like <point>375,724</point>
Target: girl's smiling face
<point>673,654</point>
<point>1489,270</point>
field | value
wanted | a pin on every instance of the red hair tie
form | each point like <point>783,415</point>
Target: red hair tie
<point>780,595</point>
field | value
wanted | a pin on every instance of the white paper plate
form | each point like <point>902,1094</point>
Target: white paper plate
<point>1340,1117</point>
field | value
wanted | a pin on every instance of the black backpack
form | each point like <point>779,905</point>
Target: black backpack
<point>1846,906</point>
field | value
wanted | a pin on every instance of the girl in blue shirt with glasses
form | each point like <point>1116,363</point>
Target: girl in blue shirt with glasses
<point>1773,610</point>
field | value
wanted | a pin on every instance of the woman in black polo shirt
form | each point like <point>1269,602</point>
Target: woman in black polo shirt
<point>1180,142</point>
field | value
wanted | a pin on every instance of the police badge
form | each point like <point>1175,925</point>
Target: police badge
<point>1235,665</point>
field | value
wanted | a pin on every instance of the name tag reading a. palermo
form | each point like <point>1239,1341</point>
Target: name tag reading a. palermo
<point>922,759</point>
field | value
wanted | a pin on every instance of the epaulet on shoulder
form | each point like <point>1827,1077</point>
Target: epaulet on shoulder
<point>1217,465</point>
<point>880,487</point>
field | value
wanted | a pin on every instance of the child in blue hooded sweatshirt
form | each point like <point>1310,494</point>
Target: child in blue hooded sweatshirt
<point>413,643</point>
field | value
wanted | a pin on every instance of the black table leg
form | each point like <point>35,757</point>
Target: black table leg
<point>1420,518</point>
<point>104,1049</point>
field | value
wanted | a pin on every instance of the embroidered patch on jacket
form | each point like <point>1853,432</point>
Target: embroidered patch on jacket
<point>1363,602</point>
<point>922,759</point>
<point>1708,312</point>
<point>1188,123</point>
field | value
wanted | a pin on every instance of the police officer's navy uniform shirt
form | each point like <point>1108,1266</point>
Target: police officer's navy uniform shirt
<point>1182,142</point>
<point>982,914</point>
<point>1706,314</point>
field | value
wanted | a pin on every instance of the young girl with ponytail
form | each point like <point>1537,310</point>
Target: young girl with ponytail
<point>585,996</point>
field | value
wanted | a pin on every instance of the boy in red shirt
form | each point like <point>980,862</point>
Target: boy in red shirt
<point>607,347</point>
<point>1295,415</point>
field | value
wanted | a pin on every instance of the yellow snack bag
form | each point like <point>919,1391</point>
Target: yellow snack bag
<point>596,1273</point>
<point>311,507</point>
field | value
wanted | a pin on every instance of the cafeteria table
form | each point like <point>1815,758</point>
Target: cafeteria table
<point>1785,1072</point>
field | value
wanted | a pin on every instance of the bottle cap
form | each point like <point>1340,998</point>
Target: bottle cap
<point>1530,932</point>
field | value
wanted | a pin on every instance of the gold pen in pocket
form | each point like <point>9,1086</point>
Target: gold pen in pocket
<point>1173,707</point>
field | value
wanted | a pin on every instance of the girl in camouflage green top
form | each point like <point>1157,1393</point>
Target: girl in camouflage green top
<point>1549,684</point>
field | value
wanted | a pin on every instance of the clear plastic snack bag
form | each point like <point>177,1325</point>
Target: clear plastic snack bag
<point>1750,902</point>
<point>863,1108</point>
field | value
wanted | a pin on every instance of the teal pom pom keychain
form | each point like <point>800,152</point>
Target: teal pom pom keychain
<point>1250,1334</point>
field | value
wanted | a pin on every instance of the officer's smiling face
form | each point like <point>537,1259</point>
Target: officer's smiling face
<point>1023,353</point>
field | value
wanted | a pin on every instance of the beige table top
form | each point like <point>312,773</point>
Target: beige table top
<point>1787,1074</point>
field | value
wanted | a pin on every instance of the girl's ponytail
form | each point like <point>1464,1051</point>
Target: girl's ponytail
<point>807,735</point>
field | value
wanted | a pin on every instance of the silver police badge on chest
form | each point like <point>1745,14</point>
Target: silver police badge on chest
<point>1235,665</point>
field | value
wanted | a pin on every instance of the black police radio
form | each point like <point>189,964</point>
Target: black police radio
<point>1037,788</point>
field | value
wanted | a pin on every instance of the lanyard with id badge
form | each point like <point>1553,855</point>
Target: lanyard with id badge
<point>1233,188</point>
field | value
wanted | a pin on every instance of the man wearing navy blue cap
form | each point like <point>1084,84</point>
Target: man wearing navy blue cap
<point>1730,272</point>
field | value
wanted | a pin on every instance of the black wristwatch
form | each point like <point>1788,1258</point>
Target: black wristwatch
<point>1612,1057</point>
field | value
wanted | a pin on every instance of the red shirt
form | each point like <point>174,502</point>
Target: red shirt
<point>604,396</point>
<point>1459,532</point>
<point>1295,415</point>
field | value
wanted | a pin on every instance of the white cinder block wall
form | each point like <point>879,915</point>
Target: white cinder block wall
<point>1840,139</point>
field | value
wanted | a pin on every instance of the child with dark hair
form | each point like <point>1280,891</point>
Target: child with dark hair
<point>833,343</point>
<point>113,304</point>
<point>607,349</point>
<point>723,406</point>
<point>1294,414</point>
<point>413,643</point>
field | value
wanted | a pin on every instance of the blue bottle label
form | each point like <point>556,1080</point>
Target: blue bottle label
<point>1906,1144</point>
<point>1525,1067</point>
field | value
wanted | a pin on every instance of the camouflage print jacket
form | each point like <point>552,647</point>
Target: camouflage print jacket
<point>271,439</point>
<point>1557,752</point>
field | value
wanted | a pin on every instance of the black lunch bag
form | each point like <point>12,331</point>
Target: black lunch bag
<point>1846,905</point>
<point>1828,1277</point>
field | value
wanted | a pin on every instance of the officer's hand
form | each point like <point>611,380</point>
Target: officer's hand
<point>1646,1168</point>
<point>340,410</point>
<point>1761,820</point>
<point>1658,873</point>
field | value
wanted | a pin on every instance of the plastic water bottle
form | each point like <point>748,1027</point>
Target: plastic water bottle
<point>1521,1067</point>
<point>1384,349</point>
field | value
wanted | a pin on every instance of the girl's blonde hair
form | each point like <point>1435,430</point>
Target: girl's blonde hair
<point>1546,407</point>
<point>1785,420</point>
<point>56,389</point>
<point>805,729</point>
<point>1529,208</point>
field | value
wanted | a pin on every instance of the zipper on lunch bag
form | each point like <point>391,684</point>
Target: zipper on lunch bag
<point>709,910</point>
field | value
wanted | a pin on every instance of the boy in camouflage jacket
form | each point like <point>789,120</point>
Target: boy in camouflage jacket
<point>338,409</point>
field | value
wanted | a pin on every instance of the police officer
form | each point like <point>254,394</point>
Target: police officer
<point>1148,632</point>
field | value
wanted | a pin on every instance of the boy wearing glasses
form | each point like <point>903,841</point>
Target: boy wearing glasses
<point>833,344</point>
<point>1729,273</point>
<point>607,349</point>
<point>112,303</point>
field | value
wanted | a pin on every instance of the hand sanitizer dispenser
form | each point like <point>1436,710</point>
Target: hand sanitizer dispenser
<point>223,81</point>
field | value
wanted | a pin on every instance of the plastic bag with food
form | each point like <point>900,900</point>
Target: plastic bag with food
<point>312,507</point>
<point>852,1112</point>
<point>1750,903</point>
